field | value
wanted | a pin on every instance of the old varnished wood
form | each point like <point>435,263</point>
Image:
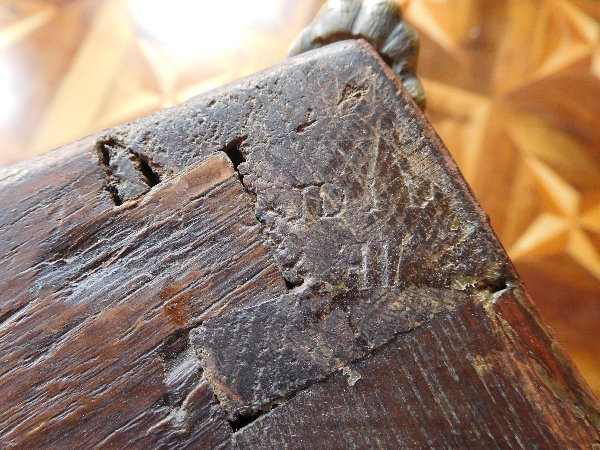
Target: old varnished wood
<point>456,382</point>
<point>97,338</point>
<point>289,261</point>
<point>380,23</point>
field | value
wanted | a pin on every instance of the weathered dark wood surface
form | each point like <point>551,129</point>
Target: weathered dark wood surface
<point>290,261</point>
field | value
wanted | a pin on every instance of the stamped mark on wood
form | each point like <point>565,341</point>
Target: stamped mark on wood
<point>370,245</point>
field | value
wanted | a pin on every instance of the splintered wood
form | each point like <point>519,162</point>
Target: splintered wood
<point>291,261</point>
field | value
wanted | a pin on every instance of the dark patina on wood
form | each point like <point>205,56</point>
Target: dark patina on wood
<point>380,23</point>
<point>293,261</point>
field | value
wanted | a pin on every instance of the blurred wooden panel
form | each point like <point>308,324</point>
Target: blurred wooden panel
<point>512,87</point>
<point>71,68</point>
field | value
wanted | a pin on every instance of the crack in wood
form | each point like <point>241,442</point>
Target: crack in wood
<point>301,338</point>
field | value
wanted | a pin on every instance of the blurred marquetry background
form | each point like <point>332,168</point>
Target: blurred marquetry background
<point>513,88</point>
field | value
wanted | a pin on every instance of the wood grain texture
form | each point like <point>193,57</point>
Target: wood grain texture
<point>96,340</point>
<point>256,264</point>
<point>453,383</point>
<point>508,83</point>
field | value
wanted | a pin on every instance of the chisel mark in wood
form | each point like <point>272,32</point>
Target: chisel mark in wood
<point>127,175</point>
<point>234,153</point>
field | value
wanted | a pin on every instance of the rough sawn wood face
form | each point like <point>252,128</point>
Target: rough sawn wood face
<point>291,261</point>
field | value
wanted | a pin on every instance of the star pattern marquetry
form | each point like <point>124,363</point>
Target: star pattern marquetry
<point>513,90</point>
<point>512,87</point>
<point>564,226</point>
